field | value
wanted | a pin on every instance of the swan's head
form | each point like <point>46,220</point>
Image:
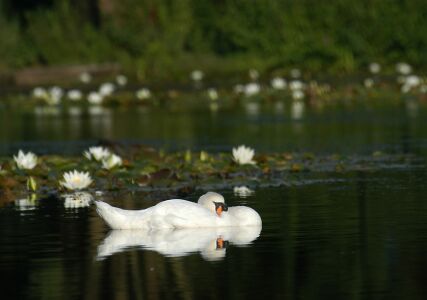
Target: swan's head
<point>214,202</point>
<point>215,250</point>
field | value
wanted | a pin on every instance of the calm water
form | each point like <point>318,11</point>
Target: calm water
<point>273,127</point>
<point>358,235</point>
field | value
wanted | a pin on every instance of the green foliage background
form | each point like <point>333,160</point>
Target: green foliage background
<point>158,37</point>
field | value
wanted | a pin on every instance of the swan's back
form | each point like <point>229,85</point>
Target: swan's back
<point>244,216</point>
<point>175,213</point>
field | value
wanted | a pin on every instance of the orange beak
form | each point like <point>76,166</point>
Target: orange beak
<point>219,243</point>
<point>219,210</point>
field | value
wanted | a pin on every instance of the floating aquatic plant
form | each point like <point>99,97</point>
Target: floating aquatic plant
<point>97,153</point>
<point>75,180</point>
<point>243,155</point>
<point>112,161</point>
<point>25,160</point>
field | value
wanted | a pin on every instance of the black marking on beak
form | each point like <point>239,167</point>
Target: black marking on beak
<point>222,205</point>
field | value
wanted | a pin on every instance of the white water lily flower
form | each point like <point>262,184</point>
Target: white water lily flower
<point>212,94</point>
<point>374,68</point>
<point>143,94</point>
<point>75,180</point>
<point>40,93</point>
<point>252,89</point>
<point>97,153</point>
<point>95,98</point>
<point>243,155</point>
<point>25,161</point>
<point>403,68</point>
<point>77,200</point>
<point>413,80</point>
<point>197,75</point>
<point>74,95</point>
<point>121,80</point>
<point>53,96</point>
<point>106,89</point>
<point>410,82</point>
<point>242,191</point>
<point>56,92</point>
<point>112,161</point>
<point>85,77</point>
<point>278,83</point>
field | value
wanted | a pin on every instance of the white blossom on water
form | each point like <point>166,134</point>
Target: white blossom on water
<point>74,95</point>
<point>410,82</point>
<point>243,155</point>
<point>39,93</point>
<point>197,75</point>
<point>25,160</point>
<point>97,153</point>
<point>121,80</point>
<point>143,94</point>
<point>212,94</point>
<point>106,89</point>
<point>278,83</point>
<point>75,180</point>
<point>403,68</point>
<point>95,98</point>
<point>374,68</point>
<point>112,161</point>
<point>252,89</point>
<point>85,77</point>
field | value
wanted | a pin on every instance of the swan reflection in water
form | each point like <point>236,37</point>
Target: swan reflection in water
<point>210,242</point>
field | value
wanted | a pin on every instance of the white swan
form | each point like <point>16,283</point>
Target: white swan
<point>210,242</point>
<point>209,211</point>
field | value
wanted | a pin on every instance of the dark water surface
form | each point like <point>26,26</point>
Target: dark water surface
<point>274,127</point>
<point>354,235</point>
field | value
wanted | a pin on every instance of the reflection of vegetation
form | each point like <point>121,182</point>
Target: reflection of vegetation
<point>156,37</point>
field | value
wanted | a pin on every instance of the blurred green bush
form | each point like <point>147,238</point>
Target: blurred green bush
<point>165,37</point>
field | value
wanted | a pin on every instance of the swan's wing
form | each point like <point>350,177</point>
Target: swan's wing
<point>181,214</point>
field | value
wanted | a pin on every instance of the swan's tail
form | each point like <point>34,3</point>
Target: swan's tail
<point>118,218</point>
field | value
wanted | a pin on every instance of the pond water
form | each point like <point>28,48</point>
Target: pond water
<point>360,234</point>
<point>275,127</point>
